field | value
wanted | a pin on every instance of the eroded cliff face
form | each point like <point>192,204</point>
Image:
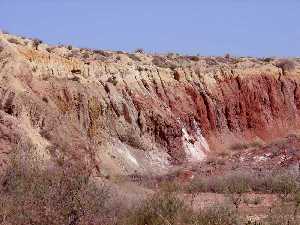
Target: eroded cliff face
<point>123,113</point>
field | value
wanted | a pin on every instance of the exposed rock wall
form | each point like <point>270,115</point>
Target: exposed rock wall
<point>125,112</point>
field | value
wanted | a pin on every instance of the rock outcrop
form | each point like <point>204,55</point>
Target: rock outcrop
<point>125,113</point>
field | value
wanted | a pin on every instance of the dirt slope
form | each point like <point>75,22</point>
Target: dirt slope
<point>123,113</point>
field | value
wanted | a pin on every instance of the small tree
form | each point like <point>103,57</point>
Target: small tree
<point>36,43</point>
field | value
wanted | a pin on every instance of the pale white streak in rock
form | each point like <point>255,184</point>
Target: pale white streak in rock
<point>260,158</point>
<point>126,155</point>
<point>200,138</point>
<point>159,159</point>
<point>195,148</point>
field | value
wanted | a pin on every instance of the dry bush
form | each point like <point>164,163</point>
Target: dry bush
<point>216,215</point>
<point>214,185</point>
<point>160,209</point>
<point>235,182</point>
<point>167,209</point>
<point>267,60</point>
<point>102,53</point>
<point>13,41</point>
<point>242,145</point>
<point>140,50</point>
<point>163,62</point>
<point>86,55</point>
<point>134,57</point>
<point>35,195</point>
<point>238,146</point>
<point>193,58</point>
<point>170,186</point>
<point>238,182</point>
<point>286,65</point>
<point>211,61</point>
<point>284,183</point>
<point>281,216</point>
<point>49,49</point>
<point>75,53</point>
<point>172,55</point>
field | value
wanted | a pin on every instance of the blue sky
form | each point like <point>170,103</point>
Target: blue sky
<point>205,27</point>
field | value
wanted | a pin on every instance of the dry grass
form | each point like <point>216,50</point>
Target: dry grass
<point>286,65</point>
<point>216,215</point>
<point>162,208</point>
<point>34,195</point>
<point>244,145</point>
<point>68,196</point>
<point>166,209</point>
<point>284,183</point>
<point>281,215</point>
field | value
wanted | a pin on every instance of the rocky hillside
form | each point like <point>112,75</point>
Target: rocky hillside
<point>123,113</point>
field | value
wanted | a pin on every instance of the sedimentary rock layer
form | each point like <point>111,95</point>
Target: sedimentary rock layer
<point>122,112</point>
